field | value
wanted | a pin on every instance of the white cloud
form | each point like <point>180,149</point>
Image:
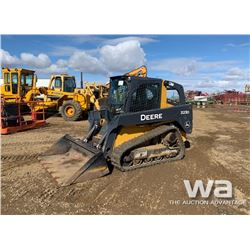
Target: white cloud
<point>122,57</point>
<point>62,63</point>
<point>234,78</point>
<point>64,50</point>
<point>7,59</point>
<point>140,39</point>
<point>189,66</point>
<point>104,40</point>
<point>52,69</point>
<point>112,58</point>
<point>216,65</point>
<point>239,45</point>
<point>81,61</point>
<point>61,66</point>
<point>82,39</point>
<point>40,61</point>
<point>108,59</point>
<point>70,50</point>
<point>215,84</point>
<point>179,66</point>
<point>238,74</point>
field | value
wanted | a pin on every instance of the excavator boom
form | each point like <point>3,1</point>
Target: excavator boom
<point>141,72</point>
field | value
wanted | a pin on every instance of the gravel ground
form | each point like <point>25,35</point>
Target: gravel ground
<point>219,150</point>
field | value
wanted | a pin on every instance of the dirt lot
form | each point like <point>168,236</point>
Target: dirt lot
<point>220,149</point>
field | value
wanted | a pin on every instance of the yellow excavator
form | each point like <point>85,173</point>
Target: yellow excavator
<point>140,72</point>
<point>140,126</point>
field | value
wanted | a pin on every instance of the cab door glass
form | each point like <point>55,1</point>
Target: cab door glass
<point>7,82</point>
<point>58,83</point>
<point>6,78</point>
<point>23,79</point>
<point>145,97</point>
<point>173,97</point>
<point>69,85</point>
<point>14,80</point>
<point>29,80</point>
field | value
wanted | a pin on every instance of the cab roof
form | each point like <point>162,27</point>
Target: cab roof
<point>7,70</point>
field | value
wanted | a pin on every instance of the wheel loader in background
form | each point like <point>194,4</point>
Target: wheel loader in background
<point>72,103</point>
<point>141,126</point>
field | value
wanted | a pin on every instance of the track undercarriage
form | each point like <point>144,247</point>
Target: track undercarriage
<point>160,145</point>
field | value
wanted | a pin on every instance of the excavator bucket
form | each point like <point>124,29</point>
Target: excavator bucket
<point>71,161</point>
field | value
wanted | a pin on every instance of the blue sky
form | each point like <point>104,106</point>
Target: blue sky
<point>206,62</point>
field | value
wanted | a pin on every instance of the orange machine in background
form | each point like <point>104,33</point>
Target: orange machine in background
<point>18,116</point>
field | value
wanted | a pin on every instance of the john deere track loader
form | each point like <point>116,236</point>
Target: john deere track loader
<point>144,123</point>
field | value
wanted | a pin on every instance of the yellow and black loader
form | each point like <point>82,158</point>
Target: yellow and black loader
<point>140,126</point>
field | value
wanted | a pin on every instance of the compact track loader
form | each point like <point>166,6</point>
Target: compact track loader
<point>144,123</point>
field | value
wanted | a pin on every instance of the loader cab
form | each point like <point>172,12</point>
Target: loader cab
<point>17,82</point>
<point>135,94</point>
<point>62,83</point>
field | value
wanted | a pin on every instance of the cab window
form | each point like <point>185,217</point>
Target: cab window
<point>14,78</point>
<point>118,92</point>
<point>27,80</point>
<point>173,97</point>
<point>58,82</point>
<point>22,79</point>
<point>6,78</point>
<point>69,85</point>
<point>145,97</point>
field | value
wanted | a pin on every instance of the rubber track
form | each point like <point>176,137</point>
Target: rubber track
<point>120,150</point>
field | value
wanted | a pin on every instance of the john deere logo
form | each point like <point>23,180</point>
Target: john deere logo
<point>187,124</point>
<point>151,117</point>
